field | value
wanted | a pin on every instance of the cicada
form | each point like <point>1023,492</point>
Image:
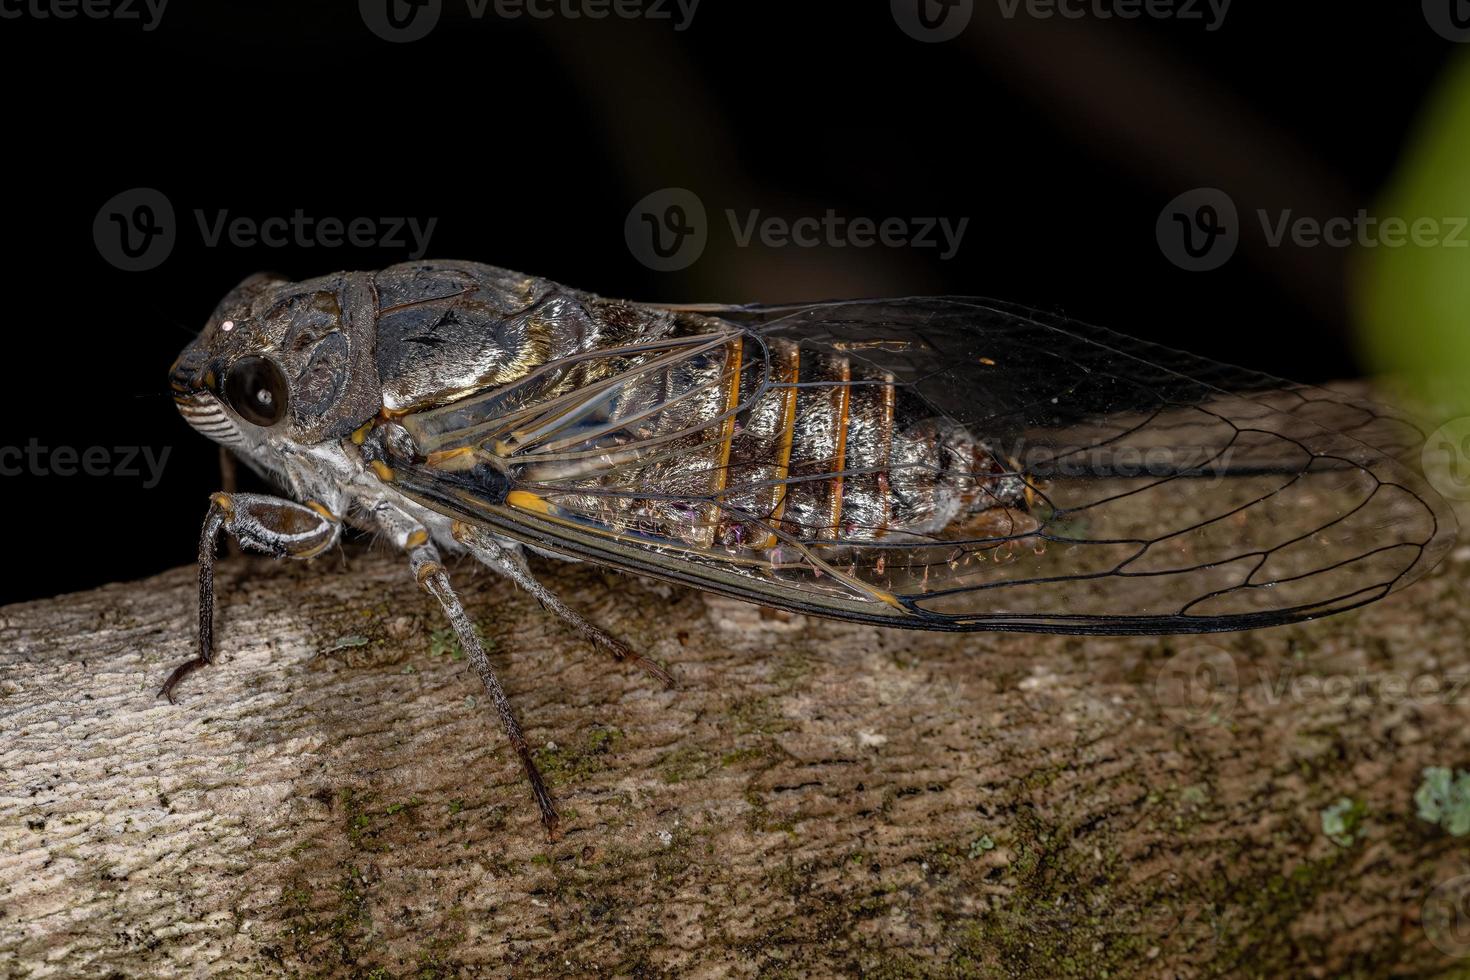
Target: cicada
<point>929,463</point>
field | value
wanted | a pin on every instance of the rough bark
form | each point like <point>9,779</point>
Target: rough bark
<point>335,798</point>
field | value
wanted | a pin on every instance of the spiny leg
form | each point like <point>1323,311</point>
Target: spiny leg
<point>278,527</point>
<point>423,558</point>
<point>509,563</point>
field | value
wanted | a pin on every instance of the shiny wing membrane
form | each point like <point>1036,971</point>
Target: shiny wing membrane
<point>1115,486</point>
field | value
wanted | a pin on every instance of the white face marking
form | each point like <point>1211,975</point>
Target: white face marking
<point>227,326</point>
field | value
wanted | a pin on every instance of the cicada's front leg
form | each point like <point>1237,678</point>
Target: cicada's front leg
<point>424,559</point>
<point>278,527</point>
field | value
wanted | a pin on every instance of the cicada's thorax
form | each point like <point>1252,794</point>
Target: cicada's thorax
<point>658,423</point>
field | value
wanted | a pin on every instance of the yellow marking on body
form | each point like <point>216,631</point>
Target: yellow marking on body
<point>223,502</point>
<point>844,409</point>
<point>524,500</point>
<point>1027,490</point>
<point>361,434</point>
<point>988,361</point>
<point>416,539</point>
<point>445,458</point>
<point>788,437</point>
<point>384,471</point>
<point>318,550</point>
<point>209,379</point>
<point>322,510</point>
<point>521,499</point>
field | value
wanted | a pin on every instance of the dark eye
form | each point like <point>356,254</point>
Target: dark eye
<point>255,388</point>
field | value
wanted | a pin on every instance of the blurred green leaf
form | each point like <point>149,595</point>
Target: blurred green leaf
<point>1412,302</point>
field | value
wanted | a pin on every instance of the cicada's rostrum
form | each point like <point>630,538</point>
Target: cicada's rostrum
<point>940,463</point>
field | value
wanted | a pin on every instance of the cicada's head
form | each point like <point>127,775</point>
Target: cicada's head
<point>282,365</point>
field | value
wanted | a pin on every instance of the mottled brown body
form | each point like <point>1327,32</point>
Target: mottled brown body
<point>944,463</point>
<point>829,458</point>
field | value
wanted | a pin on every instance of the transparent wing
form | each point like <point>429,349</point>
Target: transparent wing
<point>1053,476</point>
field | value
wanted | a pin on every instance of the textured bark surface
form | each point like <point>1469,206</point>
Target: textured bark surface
<point>334,797</point>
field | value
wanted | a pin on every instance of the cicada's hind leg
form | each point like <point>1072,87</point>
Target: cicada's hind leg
<point>278,527</point>
<point>512,565</point>
<point>423,558</point>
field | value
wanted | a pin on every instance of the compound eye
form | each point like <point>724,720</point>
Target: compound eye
<point>256,389</point>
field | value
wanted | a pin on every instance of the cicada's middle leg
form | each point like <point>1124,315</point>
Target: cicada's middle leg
<point>424,559</point>
<point>277,527</point>
<point>509,563</point>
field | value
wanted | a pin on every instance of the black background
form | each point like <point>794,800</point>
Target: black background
<point>530,140</point>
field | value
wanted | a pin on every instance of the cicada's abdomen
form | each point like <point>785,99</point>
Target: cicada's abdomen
<point>750,443</point>
<point>835,452</point>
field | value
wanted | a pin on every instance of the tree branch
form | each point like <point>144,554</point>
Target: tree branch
<point>334,796</point>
